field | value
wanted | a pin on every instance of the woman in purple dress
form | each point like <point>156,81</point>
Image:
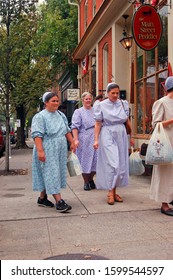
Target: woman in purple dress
<point>83,133</point>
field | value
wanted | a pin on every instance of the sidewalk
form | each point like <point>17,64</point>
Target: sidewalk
<point>134,229</point>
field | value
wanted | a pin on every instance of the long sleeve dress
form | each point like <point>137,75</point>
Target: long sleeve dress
<point>83,121</point>
<point>162,176</point>
<point>113,159</point>
<point>51,174</point>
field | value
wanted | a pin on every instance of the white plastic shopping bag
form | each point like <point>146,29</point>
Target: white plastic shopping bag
<point>136,166</point>
<point>73,165</point>
<point>159,149</point>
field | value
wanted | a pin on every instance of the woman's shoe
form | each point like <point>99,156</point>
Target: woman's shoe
<point>168,212</point>
<point>110,197</point>
<point>118,198</point>
<point>87,187</point>
<point>45,202</point>
<point>61,206</point>
<point>92,184</point>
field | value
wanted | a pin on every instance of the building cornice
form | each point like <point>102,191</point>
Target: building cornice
<point>108,11</point>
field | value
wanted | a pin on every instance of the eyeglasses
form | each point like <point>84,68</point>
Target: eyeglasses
<point>57,101</point>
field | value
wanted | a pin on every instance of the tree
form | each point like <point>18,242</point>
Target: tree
<point>10,11</point>
<point>34,48</point>
<point>31,75</point>
<point>59,31</point>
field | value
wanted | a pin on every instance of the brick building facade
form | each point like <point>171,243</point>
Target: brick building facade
<point>140,74</point>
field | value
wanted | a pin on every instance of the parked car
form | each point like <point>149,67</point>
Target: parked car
<point>2,143</point>
<point>13,138</point>
<point>12,135</point>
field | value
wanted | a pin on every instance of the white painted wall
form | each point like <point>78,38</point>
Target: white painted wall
<point>170,37</point>
<point>122,63</point>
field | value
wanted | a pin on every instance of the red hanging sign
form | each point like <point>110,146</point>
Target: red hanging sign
<point>147,27</point>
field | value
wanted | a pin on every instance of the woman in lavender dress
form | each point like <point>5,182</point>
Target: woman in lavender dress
<point>83,133</point>
<point>112,143</point>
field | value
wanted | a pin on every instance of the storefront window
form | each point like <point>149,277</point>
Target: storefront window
<point>161,84</point>
<point>139,63</point>
<point>163,44</point>
<point>150,62</point>
<point>86,14</point>
<point>105,66</point>
<point>150,98</point>
<point>140,108</point>
<point>151,72</point>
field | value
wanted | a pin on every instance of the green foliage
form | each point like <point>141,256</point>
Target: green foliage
<point>35,45</point>
<point>25,73</point>
<point>58,29</point>
<point>12,55</point>
<point>30,69</point>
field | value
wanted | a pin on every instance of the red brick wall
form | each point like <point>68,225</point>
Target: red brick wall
<point>90,13</point>
<point>107,39</point>
<point>98,4</point>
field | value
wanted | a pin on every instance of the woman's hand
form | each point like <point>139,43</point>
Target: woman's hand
<point>41,156</point>
<point>132,142</point>
<point>73,147</point>
<point>167,122</point>
<point>96,145</point>
<point>76,143</point>
<point>40,150</point>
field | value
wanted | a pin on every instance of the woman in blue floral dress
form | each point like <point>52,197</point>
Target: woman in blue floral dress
<point>83,132</point>
<point>50,132</point>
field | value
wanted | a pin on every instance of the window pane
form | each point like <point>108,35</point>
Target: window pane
<point>163,44</point>
<point>140,108</point>
<point>161,81</point>
<point>150,98</point>
<point>94,7</point>
<point>86,14</point>
<point>139,63</point>
<point>105,66</point>
<point>150,62</point>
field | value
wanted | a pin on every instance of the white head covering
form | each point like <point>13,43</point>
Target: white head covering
<point>111,86</point>
<point>169,83</point>
<point>44,95</point>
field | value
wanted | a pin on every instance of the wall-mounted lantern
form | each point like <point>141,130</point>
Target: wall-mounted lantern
<point>126,41</point>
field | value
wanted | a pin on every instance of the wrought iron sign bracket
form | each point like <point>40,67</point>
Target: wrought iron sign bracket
<point>143,2</point>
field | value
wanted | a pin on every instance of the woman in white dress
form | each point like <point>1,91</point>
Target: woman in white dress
<point>112,143</point>
<point>162,176</point>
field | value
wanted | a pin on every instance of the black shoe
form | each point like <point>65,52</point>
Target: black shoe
<point>92,184</point>
<point>171,202</point>
<point>168,212</point>
<point>45,202</point>
<point>87,187</point>
<point>61,206</point>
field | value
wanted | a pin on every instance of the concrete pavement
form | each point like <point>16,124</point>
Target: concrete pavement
<point>134,229</point>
